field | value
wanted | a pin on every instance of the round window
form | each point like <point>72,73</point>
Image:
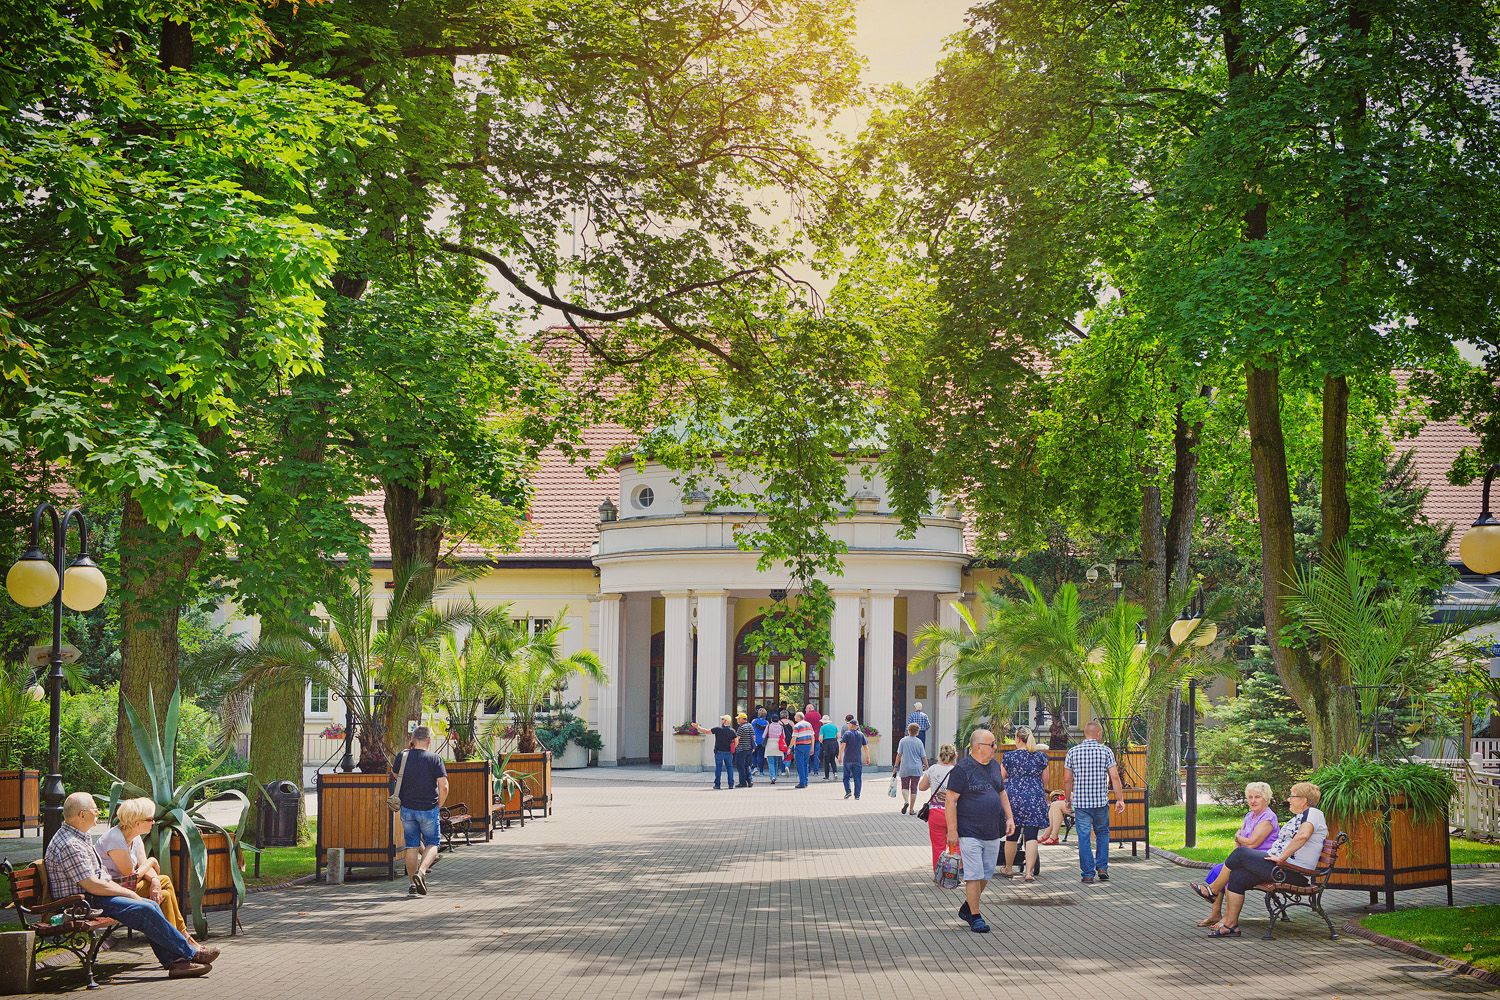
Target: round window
<point>645,497</point>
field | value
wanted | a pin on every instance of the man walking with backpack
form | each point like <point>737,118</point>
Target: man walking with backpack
<point>422,787</point>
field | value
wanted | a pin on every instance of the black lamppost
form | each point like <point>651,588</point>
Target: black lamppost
<point>39,577</point>
<point>346,764</point>
<point>1183,629</point>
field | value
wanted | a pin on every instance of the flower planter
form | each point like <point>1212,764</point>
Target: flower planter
<point>535,772</point>
<point>353,816</point>
<point>218,882</point>
<point>1414,855</point>
<point>21,800</point>
<point>876,764</point>
<point>690,751</point>
<point>573,755</point>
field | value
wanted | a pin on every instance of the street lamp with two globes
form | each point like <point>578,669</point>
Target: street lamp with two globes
<point>32,582</point>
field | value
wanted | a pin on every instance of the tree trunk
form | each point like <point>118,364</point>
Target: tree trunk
<point>276,743</point>
<point>154,568</point>
<point>1161,750</point>
<point>415,530</point>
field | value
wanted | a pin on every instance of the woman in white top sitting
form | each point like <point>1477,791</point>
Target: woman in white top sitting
<point>1299,843</point>
<point>123,854</point>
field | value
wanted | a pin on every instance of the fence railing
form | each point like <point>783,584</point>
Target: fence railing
<point>1486,749</point>
<point>1475,808</point>
<point>323,754</point>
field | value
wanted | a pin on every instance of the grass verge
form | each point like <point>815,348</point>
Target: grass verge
<point>1467,933</point>
<point>1217,826</point>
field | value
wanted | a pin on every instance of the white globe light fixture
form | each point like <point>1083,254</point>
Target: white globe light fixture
<point>1480,547</point>
<point>84,585</point>
<point>32,581</point>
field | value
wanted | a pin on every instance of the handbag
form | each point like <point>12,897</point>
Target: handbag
<point>926,809</point>
<point>393,801</point>
<point>949,872</point>
<point>891,791</point>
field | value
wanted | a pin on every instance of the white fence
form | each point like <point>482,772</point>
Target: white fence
<point>1486,749</point>
<point>1475,809</point>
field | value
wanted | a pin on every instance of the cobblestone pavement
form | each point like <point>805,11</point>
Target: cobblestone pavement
<point>651,888</point>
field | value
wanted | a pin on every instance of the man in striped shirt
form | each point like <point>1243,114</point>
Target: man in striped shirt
<point>802,744</point>
<point>744,748</point>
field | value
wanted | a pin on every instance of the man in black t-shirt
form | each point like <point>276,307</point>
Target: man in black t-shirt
<point>723,751</point>
<point>422,786</point>
<point>979,817</point>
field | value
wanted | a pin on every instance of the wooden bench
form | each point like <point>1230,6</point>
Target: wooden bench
<point>79,931</point>
<point>1283,894</point>
<point>453,820</point>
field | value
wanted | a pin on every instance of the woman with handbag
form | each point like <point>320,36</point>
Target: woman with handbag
<point>935,781</point>
<point>1024,767</point>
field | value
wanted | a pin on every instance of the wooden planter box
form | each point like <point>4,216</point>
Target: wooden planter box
<point>1134,827</point>
<point>535,771</point>
<point>21,800</point>
<point>1414,856</point>
<point>218,882</point>
<point>472,783</point>
<point>352,815</point>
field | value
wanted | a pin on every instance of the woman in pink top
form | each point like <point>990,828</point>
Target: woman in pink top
<point>775,748</point>
<point>1258,832</point>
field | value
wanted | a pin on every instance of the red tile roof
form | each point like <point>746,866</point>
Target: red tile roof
<point>1433,450</point>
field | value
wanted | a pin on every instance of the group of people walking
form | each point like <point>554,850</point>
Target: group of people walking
<point>745,748</point>
<point>987,805</point>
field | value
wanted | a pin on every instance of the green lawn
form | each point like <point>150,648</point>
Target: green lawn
<point>1468,933</point>
<point>1217,826</point>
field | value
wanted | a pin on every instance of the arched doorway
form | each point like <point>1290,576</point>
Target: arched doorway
<point>796,679</point>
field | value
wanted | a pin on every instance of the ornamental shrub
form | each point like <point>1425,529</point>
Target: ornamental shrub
<point>1262,736</point>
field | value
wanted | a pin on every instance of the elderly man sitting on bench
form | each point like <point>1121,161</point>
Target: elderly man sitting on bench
<point>73,867</point>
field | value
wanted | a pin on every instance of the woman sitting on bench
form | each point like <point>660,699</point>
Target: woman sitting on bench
<point>1299,843</point>
<point>1258,830</point>
<point>123,854</point>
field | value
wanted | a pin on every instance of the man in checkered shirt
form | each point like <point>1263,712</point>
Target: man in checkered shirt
<point>1089,771</point>
<point>73,868</point>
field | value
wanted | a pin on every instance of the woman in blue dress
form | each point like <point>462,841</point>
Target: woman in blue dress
<point>1023,768</point>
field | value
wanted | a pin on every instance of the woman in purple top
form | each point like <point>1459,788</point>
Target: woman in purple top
<point>1257,832</point>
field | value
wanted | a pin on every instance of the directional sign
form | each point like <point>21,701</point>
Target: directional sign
<point>40,656</point>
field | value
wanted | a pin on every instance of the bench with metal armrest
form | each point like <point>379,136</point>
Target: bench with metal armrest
<point>453,820</point>
<point>1282,893</point>
<point>81,930</point>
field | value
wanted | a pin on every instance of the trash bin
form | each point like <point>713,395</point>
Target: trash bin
<point>276,819</point>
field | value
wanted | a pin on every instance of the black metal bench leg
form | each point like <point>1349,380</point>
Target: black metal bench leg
<point>92,959</point>
<point>1317,905</point>
<point>1270,934</point>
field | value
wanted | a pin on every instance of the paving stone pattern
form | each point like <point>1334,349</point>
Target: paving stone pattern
<point>642,887</point>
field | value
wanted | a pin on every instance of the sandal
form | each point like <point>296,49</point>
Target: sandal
<point>1203,892</point>
<point>1208,922</point>
<point>1222,932</point>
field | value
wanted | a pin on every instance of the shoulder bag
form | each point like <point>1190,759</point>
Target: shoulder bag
<point>394,801</point>
<point>926,809</point>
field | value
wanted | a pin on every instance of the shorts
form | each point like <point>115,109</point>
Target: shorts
<point>979,857</point>
<point>420,827</point>
<point>909,782</point>
<point>1025,834</point>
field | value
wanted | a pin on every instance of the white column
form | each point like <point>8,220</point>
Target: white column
<point>713,656</point>
<point>677,678</point>
<point>880,665</point>
<point>843,680</point>
<point>945,723</point>
<point>610,647</point>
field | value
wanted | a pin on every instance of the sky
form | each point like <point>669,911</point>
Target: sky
<point>903,38</point>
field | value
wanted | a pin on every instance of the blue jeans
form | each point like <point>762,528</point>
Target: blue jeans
<point>856,770</point>
<point>420,827</point>
<point>145,916</point>
<point>802,755</point>
<point>760,757</point>
<point>723,764</point>
<point>1096,822</point>
<point>775,765</point>
<point>744,760</point>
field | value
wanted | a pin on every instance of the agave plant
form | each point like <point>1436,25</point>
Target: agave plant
<point>178,800</point>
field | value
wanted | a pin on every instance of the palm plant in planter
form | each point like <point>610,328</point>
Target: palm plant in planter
<point>529,675</point>
<point>179,800</point>
<point>464,676</point>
